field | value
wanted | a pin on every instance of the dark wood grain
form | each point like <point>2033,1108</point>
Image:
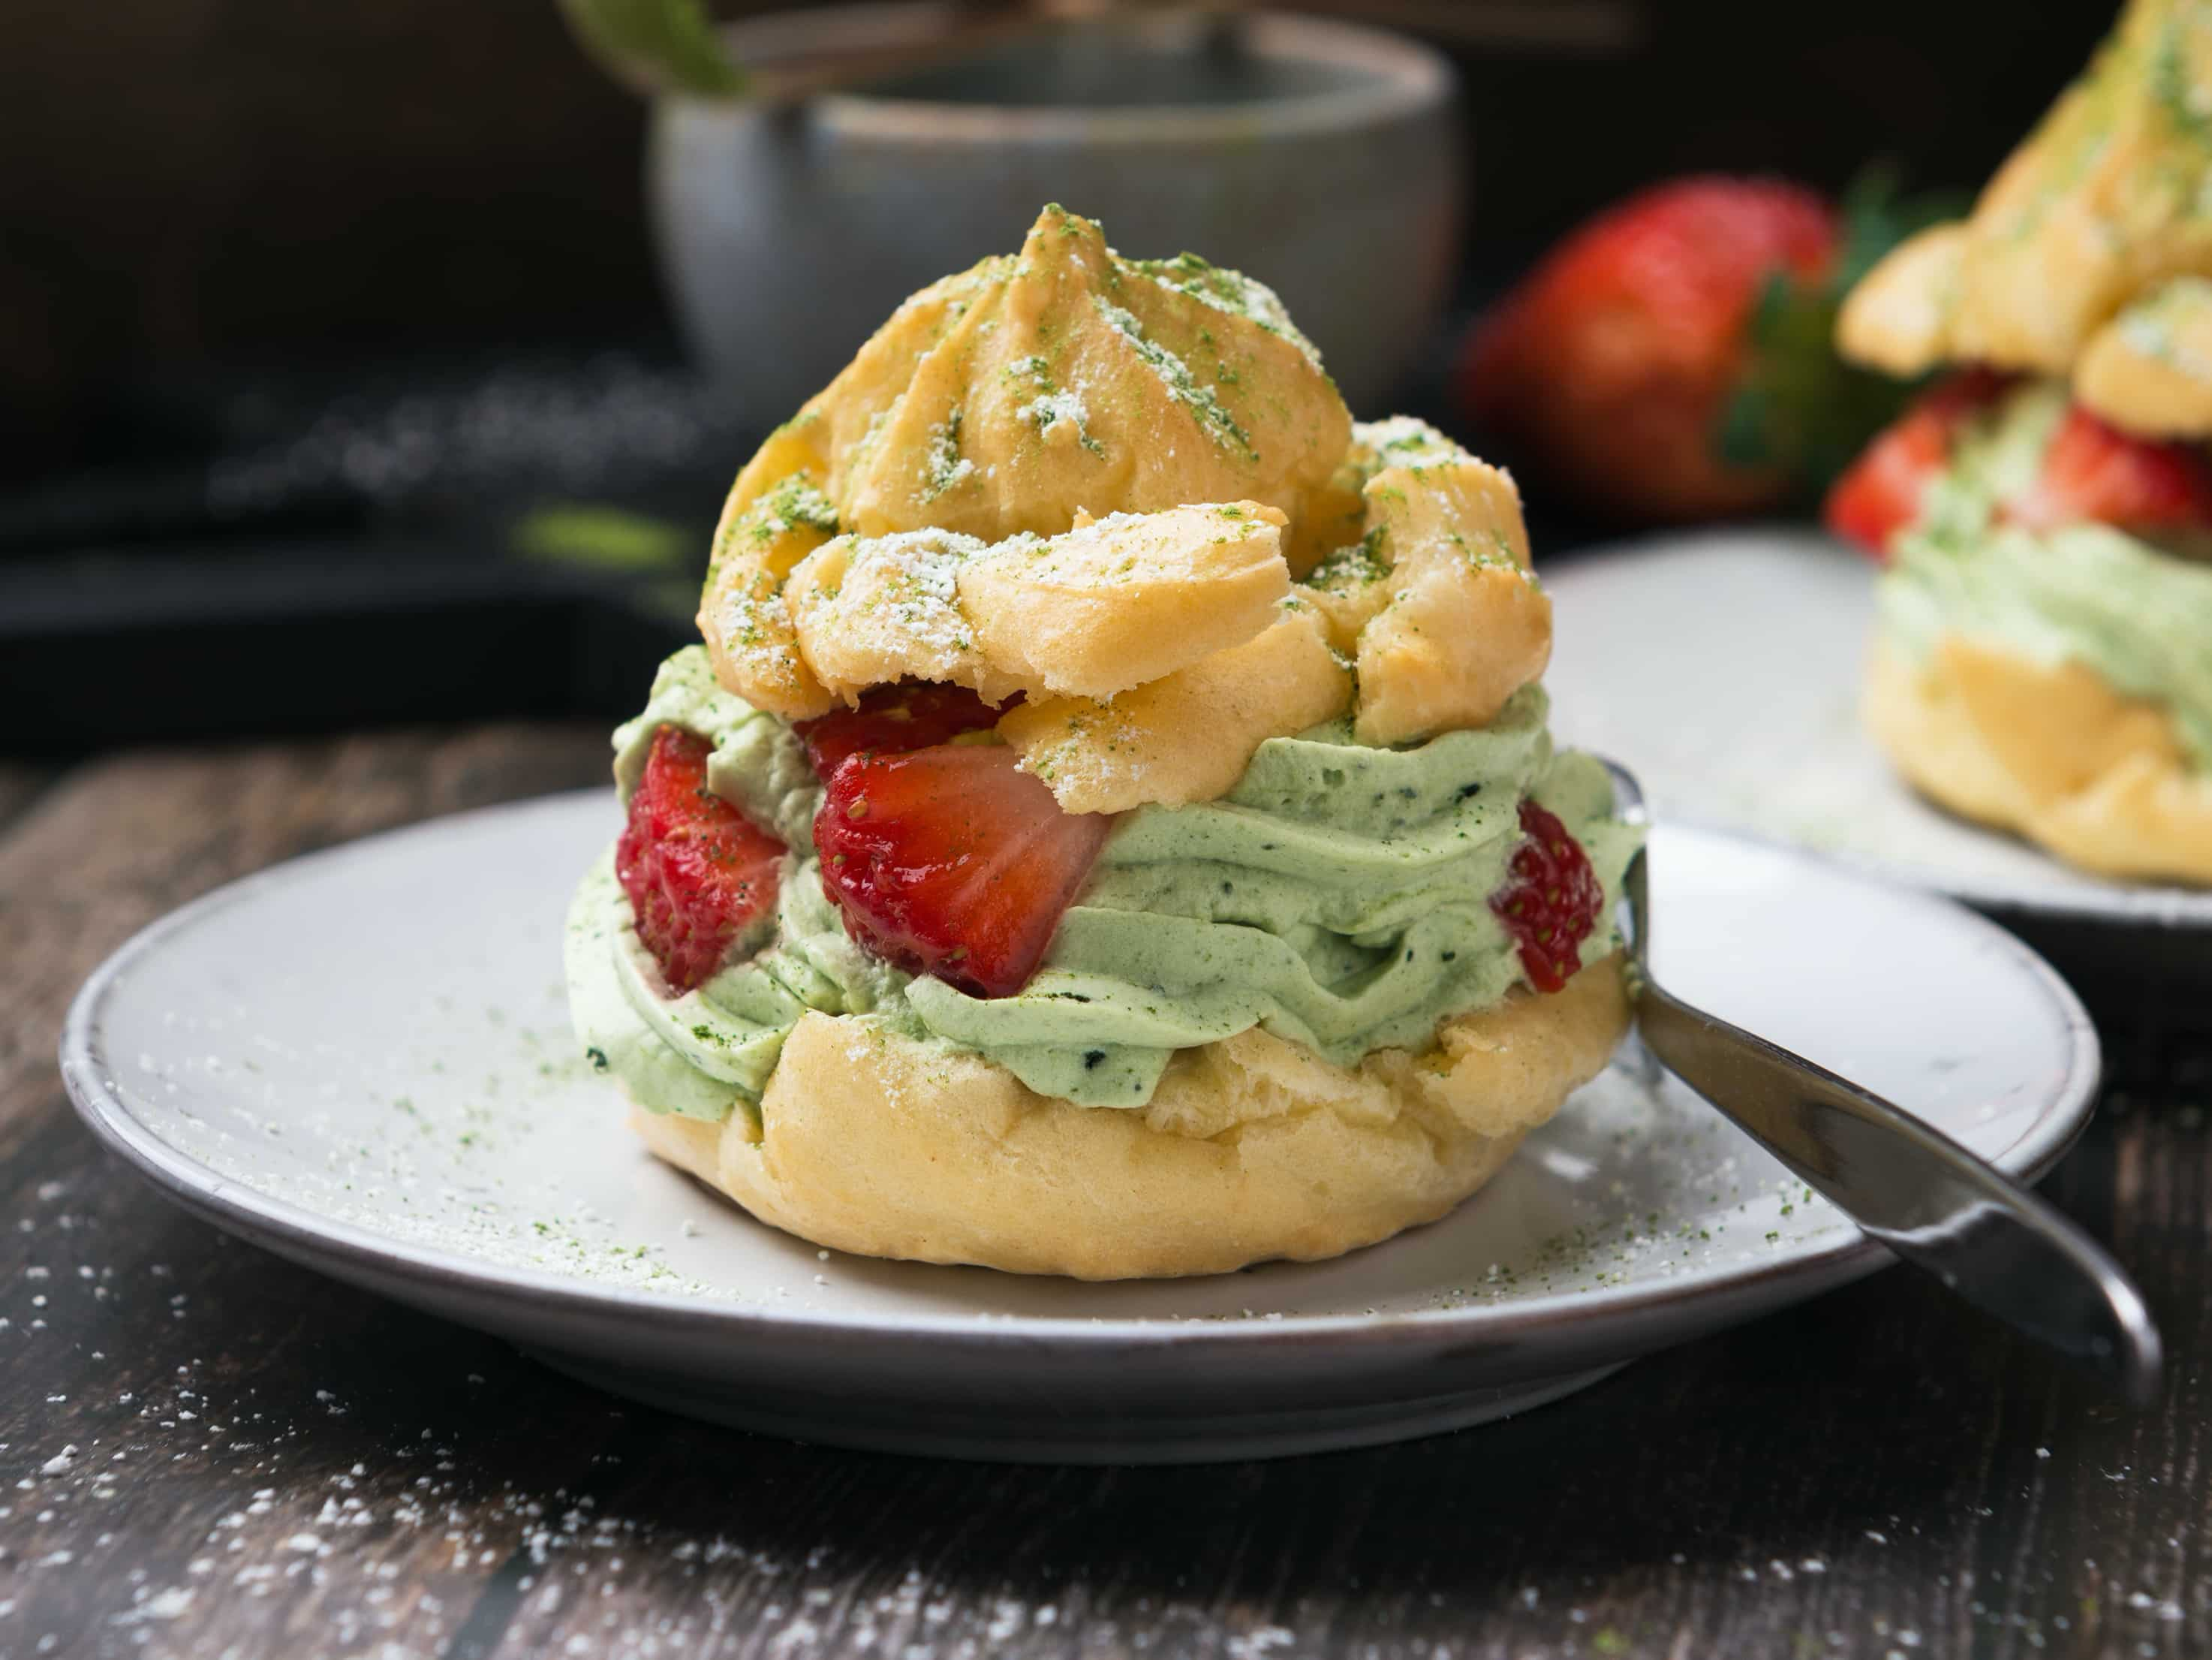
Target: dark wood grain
<point>207,1451</point>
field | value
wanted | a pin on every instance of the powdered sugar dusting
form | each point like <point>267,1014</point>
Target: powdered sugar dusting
<point>902,593</point>
<point>1175,378</point>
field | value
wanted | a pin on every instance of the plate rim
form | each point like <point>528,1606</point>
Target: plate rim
<point>230,1202</point>
<point>2168,906</point>
<point>2169,909</point>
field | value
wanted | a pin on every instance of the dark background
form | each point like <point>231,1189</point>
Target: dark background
<point>242,238</point>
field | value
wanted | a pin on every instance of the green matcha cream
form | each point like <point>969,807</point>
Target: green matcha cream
<point>1337,896</point>
<point>2138,614</point>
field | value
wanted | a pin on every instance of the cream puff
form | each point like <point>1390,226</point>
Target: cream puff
<point>2044,657</point>
<point>1109,826</point>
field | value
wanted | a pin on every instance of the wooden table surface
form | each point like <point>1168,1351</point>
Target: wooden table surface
<point>205,1451</point>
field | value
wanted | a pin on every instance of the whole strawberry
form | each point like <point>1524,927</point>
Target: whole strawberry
<point>1671,360</point>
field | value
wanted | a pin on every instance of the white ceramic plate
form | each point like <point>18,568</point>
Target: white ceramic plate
<point>1725,667</point>
<point>361,1061</point>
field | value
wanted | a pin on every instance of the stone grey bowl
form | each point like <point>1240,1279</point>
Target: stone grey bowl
<point>1322,158</point>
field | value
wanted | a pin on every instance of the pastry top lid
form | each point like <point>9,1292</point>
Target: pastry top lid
<point>1100,483</point>
<point>1066,378</point>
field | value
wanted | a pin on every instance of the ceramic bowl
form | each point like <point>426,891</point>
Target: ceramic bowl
<point>1322,157</point>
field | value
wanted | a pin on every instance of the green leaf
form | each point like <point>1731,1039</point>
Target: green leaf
<point>1799,408</point>
<point>656,46</point>
<point>588,535</point>
<point>1876,216</point>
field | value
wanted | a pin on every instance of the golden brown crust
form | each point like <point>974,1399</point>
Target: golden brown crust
<point>1186,737</point>
<point>2150,369</point>
<point>2053,752</point>
<point>1252,1149</point>
<point>1895,317</point>
<point>743,616</point>
<point>1459,624</point>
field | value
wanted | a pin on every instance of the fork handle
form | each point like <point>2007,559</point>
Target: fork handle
<point>1916,1191</point>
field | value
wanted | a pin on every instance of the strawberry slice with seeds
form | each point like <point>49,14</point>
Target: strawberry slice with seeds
<point>2093,471</point>
<point>945,860</point>
<point>698,873</point>
<point>1881,493</point>
<point>892,720</point>
<point>1551,901</point>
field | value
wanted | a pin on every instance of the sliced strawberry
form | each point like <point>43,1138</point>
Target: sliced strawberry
<point>947,861</point>
<point>1551,901</point>
<point>1966,392</point>
<point>1881,493</point>
<point>698,873</point>
<point>2093,471</point>
<point>892,720</point>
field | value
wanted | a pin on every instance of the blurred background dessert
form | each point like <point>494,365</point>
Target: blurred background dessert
<point>2044,657</point>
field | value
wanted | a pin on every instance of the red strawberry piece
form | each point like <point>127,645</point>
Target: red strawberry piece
<point>1551,901</point>
<point>892,720</point>
<point>1880,494</point>
<point>1614,360</point>
<point>2095,473</point>
<point>948,861</point>
<point>698,873</point>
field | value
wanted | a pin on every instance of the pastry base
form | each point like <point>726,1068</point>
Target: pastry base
<point>1253,1148</point>
<point>2053,752</point>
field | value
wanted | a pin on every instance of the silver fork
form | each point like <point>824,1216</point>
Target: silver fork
<point>1906,1185</point>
